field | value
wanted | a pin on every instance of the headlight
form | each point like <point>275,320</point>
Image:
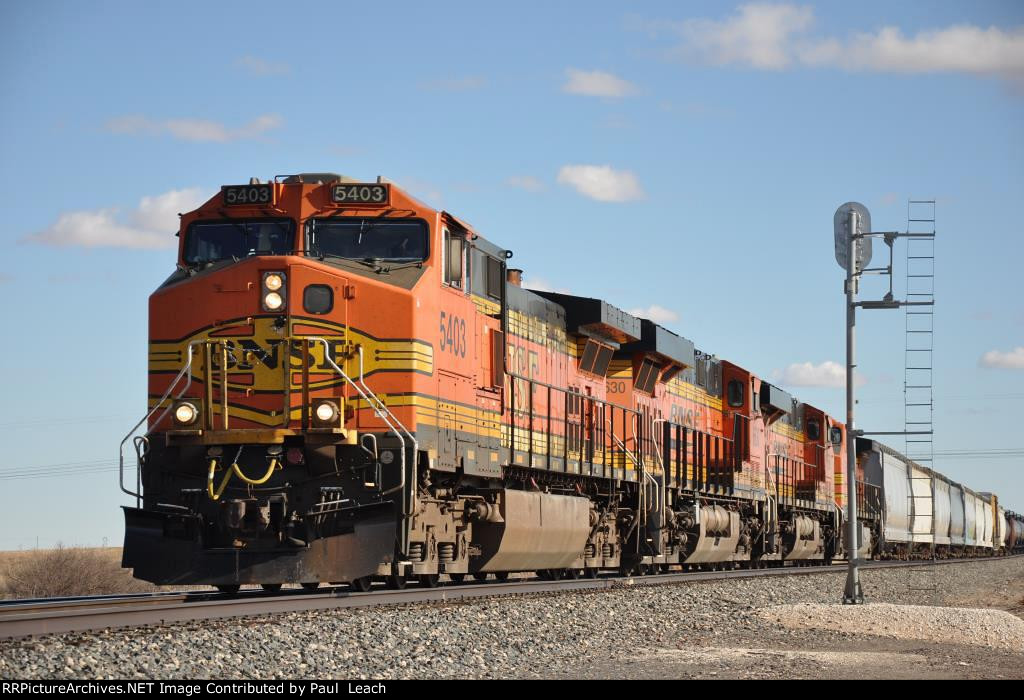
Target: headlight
<point>273,281</point>
<point>185,414</point>
<point>274,291</point>
<point>326,415</point>
<point>326,412</point>
<point>273,301</point>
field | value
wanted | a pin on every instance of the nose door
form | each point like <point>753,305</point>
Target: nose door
<point>320,335</point>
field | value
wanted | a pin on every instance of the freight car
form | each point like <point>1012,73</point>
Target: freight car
<point>925,515</point>
<point>347,384</point>
<point>1014,532</point>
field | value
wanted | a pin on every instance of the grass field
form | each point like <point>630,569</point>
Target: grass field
<point>64,571</point>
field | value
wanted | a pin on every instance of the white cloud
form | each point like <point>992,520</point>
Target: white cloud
<point>596,83</point>
<point>760,35</point>
<point>525,182</point>
<point>658,314</point>
<point>196,130</point>
<point>775,36</point>
<point>539,284</point>
<point>601,182</point>
<point>956,49</point>
<point>1014,359</point>
<point>150,225</point>
<point>259,66</point>
<point>827,374</point>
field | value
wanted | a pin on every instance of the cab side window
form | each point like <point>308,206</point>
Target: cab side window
<point>454,249</point>
<point>813,430</point>
<point>735,393</point>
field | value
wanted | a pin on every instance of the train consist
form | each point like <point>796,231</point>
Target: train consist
<point>346,384</point>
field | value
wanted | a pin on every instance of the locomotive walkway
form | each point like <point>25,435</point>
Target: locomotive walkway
<point>24,618</point>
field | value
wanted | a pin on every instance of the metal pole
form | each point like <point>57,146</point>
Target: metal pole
<point>853,593</point>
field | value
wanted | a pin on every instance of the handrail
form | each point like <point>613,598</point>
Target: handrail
<point>185,368</point>
<point>382,407</point>
<point>664,472</point>
<point>640,468</point>
<point>384,413</point>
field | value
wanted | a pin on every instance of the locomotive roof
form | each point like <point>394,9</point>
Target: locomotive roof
<point>586,315</point>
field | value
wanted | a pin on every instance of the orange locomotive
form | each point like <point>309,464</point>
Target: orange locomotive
<point>346,384</point>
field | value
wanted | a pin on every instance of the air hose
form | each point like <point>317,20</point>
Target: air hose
<point>236,471</point>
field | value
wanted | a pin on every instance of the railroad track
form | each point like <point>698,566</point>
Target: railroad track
<point>25,618</point>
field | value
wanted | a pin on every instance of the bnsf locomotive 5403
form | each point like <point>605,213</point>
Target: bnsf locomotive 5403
<point>346,384</point>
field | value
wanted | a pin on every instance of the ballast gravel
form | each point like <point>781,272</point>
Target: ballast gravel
<point>771,627</point>
<point>987,628</point>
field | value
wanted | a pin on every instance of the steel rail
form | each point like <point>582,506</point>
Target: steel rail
<point>25,618</point>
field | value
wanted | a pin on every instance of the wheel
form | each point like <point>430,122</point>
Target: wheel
<point>361,584</point>
<point>271,586</point>
<point>591,572</point>
<point>229,588</point>
<point>572,573</point>
<point>626,569</point>
<point>457,578</point>
<point>502,576</point>
<point>311,585</point>
<point>480,576</point>
<point>428,580</point>
<point>396,582</point>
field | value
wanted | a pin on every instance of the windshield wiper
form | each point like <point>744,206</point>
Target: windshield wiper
<point>316,252</point>
<point>381,270</point>
<point>375,263</point>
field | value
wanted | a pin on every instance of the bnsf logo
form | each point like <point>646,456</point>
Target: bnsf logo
<point>251,354</point>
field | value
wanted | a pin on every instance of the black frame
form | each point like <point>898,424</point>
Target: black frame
<point>238,220</point>
<point>330,299</point>
<point>310,223</point>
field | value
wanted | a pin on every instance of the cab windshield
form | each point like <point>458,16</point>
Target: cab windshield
<point>368,239</point>
<point>234,239</point>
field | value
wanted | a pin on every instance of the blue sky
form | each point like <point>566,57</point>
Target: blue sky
<point>684,156</point>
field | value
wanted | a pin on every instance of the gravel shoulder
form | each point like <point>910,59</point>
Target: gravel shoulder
<point>721,629</point>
